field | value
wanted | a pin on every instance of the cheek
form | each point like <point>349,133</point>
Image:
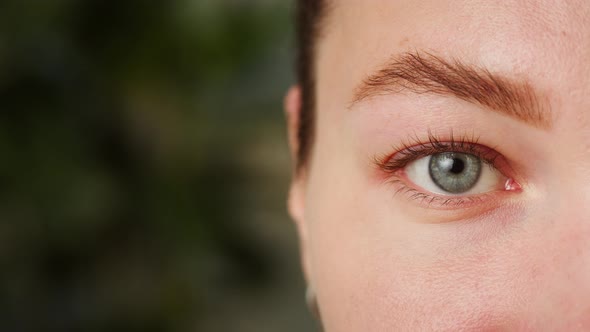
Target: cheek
<point>376,282</point>
<point>450,294</point>
<point>340,245</point>
<point>375,270</point>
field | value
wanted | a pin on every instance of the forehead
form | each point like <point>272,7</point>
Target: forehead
<point>546,41</point>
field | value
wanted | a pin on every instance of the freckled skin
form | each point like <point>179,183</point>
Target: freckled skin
<point>380,262</point>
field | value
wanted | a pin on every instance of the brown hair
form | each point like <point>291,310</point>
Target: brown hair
<point>309,13</point>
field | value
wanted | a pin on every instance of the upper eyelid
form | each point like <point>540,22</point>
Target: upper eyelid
<point>415,142</point>
<point>411,153</point>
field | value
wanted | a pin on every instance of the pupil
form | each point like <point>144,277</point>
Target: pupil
<point>458,166</point>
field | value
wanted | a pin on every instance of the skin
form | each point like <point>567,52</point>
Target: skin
<point>380,261</point>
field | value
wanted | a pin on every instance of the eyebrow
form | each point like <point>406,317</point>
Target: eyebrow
<point>427,73</point>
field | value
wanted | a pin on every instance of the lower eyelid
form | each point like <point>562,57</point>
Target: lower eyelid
<point>429,210</point>
<point>402,186</point>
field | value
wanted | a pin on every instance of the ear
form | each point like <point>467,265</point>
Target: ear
<point>296,199</point>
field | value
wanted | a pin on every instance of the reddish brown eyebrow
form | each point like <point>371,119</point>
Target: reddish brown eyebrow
<point>426,73</point>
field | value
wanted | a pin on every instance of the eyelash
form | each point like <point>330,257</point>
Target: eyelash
<point>415,148</point>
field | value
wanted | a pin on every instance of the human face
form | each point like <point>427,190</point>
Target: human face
<point>506,244</point>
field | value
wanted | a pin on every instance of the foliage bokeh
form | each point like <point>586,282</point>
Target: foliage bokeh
<point>144,167</point>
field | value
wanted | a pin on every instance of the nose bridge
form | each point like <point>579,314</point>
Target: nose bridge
<point>564,206</point>
<point>571,194</point>
<point>564,244</point>
<point>569,157</point>
<point>560,236</point>
<point>569,217</point>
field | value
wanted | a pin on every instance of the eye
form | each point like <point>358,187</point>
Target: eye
<point>451,173</point>
<point>454,173</point>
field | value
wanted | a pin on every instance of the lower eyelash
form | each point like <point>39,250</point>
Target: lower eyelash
<point>428,199</point>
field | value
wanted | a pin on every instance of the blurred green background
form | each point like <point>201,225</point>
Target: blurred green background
<point>144,167</point>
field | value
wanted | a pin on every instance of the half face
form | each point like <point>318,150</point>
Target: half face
<point>449,185</point>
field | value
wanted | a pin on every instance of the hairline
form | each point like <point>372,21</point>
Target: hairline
<point>311,18</point>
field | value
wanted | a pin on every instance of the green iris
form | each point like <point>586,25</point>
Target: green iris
<point>455,172</point>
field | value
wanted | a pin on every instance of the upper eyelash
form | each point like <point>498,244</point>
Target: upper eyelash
<point>416,148</point>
